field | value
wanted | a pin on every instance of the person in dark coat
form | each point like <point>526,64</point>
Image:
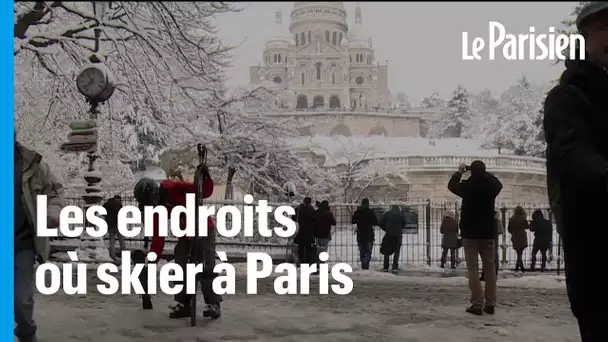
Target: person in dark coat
<point>305,237</point>
<point>478,194</point>
<point>575,125</point>
<point>543,232</point>
<point>113,206</point>
<point>518,226</point>
<point>393,224</point>
<point>449,240</point>
<point>324,220</point>
<point>365,219</point>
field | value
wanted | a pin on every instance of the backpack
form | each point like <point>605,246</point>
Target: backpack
<point>553,187</point>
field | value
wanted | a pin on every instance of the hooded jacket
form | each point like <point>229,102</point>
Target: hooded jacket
<point>175,195</point>
<point>575,124</point>
<point>37,179</point>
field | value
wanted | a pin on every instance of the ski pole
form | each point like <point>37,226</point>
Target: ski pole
<point>194,251</point>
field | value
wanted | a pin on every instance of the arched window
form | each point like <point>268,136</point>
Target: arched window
<point>318,102</point>
<point>333,78</point>
<point>302,39</point>
<point>334,101</point>
<point>302,102</point>
<point>327,36</point>
<point>309,36</point>
<point>279,58</point>
<point>378,130</point>
<point>340,129</point>
<point>275,58</point>
<point>318,67</point>
<point>334,38</point>
<point>297,43</point>
<point>302,78</point>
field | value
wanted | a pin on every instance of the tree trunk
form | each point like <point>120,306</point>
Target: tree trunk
<point>228,194</point>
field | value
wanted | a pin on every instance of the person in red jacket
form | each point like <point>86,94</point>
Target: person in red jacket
<point>172,193</point>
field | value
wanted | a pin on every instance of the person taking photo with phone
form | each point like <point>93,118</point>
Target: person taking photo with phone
<point>478,231</point>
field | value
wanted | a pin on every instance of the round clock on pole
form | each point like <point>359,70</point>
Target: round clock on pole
<point>96,82</point>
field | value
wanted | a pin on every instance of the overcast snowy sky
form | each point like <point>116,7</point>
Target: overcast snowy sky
<point>421,41</point>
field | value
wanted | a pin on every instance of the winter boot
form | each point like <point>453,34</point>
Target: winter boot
<point>475,310</point>
<point>212,310</point>
<point>179,310</point>
<point>489,309</point>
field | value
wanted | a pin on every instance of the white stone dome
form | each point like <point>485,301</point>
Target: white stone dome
<point>334,4</point>
<point>307,14</point>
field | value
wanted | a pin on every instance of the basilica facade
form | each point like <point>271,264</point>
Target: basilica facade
<point>319,61</point>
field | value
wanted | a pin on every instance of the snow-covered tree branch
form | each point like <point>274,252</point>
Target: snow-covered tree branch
<point>166,56</point>
<point>356,171</point>
<point>515,124</point>
<point>249,148</point>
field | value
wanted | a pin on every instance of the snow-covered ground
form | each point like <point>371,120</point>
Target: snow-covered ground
<point>382,307</point>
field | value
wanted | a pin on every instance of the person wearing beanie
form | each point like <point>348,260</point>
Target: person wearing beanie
<point>478,231</point>
<point>575,124</point>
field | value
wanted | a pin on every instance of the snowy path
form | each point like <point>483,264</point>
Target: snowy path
<point>380,308</point>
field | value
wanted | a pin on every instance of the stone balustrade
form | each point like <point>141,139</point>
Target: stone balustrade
<point>505,163</point>
<point>345,111</point>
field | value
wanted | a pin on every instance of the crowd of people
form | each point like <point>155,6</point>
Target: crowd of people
<point>518,227</point>
<point>314,232</point>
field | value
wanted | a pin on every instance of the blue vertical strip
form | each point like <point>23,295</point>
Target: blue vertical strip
<point>6,150</point>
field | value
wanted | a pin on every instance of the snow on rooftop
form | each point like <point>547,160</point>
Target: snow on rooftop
<point>334,148</point>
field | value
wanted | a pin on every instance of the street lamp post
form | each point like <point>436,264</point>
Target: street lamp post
<point>97,83</point>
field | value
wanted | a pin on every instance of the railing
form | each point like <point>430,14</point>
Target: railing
<point>421,246</point>
<point>497,163</point>
<point>355,111</point>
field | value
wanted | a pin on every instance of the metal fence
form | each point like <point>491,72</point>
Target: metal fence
<point>421,240</point>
